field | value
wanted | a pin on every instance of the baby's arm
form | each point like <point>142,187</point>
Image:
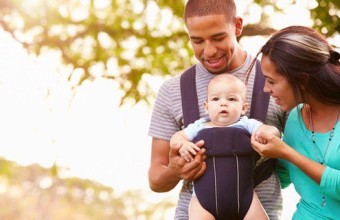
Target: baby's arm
<point>268,128</point>
<point>188,149</point>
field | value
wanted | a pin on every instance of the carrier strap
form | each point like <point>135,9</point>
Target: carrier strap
<point>189,96</point>
<point>260,99</point>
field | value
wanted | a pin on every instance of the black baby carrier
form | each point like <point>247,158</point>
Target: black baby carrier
<point>226,187</point>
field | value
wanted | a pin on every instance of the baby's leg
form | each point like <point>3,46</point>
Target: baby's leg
<point>256,210</point>
<point>197,212</point>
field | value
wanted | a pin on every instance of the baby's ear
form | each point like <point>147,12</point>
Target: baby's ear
<point>244,108</point>
<point>206,107</point>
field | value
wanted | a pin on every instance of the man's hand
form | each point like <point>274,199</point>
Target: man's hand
<point>188,150</point>
<point>187,170</point>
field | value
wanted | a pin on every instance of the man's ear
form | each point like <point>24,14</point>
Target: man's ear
<point>238,26</point>
<point>244,108</point>
<point>206,107</point>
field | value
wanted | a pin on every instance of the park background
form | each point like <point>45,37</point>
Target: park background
<point>78,79</point>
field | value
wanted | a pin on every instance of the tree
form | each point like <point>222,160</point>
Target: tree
<point>125,40</point>
<point>326,17</point>
<point>34,192</point>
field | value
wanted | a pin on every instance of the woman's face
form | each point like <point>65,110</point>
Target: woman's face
<point>277,85</point>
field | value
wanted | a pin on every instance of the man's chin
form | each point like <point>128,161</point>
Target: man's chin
<point>215,70</point>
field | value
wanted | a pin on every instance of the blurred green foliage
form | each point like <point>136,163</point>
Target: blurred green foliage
<point>36,193</point>
<point>326,17</point>
<point>125,40</point>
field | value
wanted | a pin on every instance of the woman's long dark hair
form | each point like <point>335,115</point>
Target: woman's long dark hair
<point>307,60</point>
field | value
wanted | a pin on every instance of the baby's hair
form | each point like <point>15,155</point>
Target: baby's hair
<point>229,78</point>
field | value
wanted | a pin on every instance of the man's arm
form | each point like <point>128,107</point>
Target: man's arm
<point>167,167</point>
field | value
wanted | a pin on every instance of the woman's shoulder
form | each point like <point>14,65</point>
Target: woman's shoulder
<point>294,122</point>
<point>294,113</point>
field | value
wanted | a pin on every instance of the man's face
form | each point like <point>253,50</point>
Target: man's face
<point>214,41</point>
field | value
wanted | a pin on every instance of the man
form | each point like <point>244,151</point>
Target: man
<point>213,28</point>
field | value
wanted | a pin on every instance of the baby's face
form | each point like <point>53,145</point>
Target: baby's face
<point>226,103</point>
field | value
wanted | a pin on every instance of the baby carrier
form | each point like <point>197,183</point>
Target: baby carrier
<point>226,187</point>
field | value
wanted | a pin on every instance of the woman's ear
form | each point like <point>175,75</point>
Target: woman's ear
<point>238,26</point>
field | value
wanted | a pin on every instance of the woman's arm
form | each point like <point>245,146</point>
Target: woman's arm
<point>276,148</point>
<point>282,171</point>
<point>327,177</point>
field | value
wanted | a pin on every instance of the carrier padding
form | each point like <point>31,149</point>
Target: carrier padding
<point>228,194</point>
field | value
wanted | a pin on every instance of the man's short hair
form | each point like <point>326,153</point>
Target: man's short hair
<point>197,8</point>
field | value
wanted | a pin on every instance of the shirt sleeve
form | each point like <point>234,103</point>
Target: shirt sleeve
<point>283,172</point>
<point>251,124</point>
<point>192,130</point>
<point>330,183</point>
<point>162,124</point>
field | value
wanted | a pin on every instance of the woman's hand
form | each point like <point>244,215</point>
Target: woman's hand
<point>268,145</point>
<point>276,148</point>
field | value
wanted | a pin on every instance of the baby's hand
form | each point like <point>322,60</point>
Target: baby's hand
<point>188,151</point>
<point>260,139</point>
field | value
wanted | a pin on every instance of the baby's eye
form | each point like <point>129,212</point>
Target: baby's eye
<point>214,99</point>
<point>232,99</point>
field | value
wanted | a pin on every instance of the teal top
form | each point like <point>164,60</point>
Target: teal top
<point>310,205</point>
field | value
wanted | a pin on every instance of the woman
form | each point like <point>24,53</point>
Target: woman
<point>303,75</point>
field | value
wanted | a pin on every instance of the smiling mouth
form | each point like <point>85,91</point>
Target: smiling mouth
<point>212,61</point>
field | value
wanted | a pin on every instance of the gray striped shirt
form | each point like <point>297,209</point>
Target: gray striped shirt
<point>167,119</point>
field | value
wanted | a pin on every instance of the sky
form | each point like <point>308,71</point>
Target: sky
<point>87,134</point>
<point>43,121</point>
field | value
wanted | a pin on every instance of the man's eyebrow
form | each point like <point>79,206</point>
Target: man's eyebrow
<point>220,34</point>
<point>195,38</point>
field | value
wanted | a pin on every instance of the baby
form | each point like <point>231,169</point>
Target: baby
<point>225,105</point>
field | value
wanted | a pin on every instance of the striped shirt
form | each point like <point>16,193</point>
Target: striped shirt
<point>167,119</point>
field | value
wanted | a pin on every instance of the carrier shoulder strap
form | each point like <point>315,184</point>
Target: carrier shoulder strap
<point>189,96</point>
<point>260,99</point>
